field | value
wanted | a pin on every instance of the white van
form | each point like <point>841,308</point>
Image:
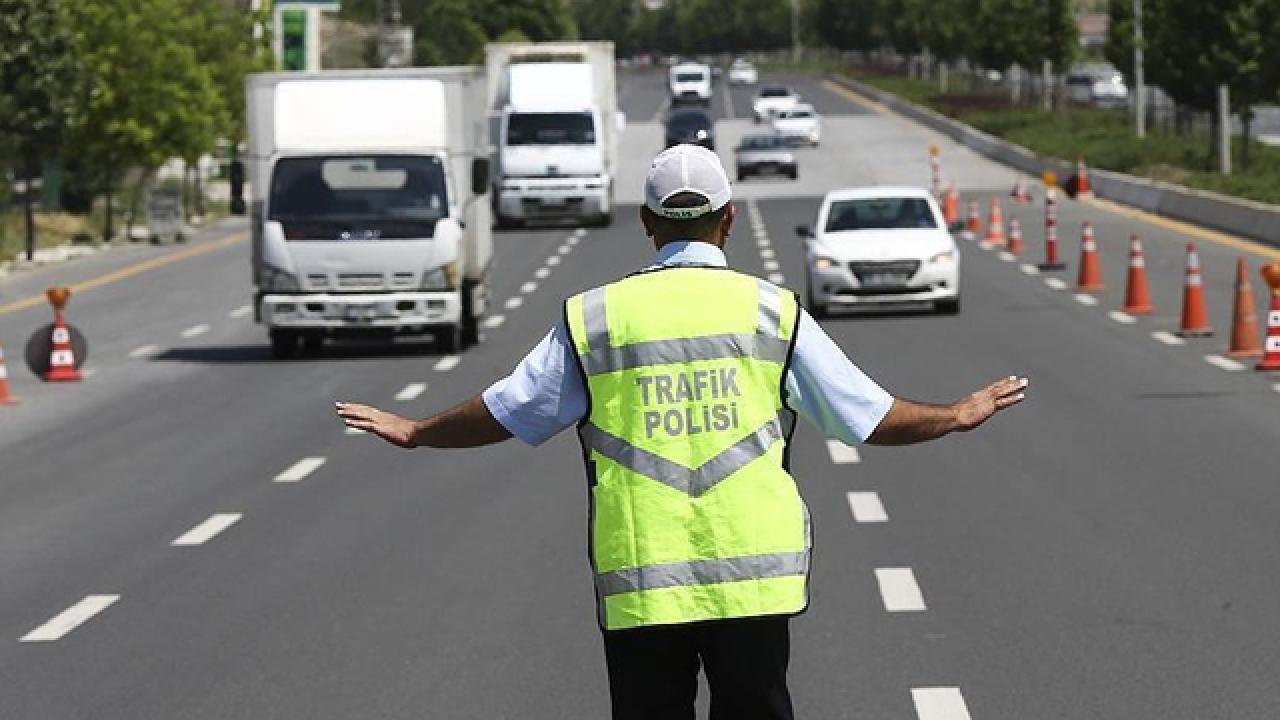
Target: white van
<point>690,82</point>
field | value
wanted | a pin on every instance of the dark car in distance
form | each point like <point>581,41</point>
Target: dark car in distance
<point>691,126</point>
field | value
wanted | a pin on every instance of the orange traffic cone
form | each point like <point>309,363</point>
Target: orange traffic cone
<point>1020,194</point>
<point>1016,246</point>
<point>1271,360</point>
<point>1245,339</point>
<point>974,225</point>
<point>1137,294</point>
<point>1195,317</point>
<point>1090,277</point>
<point>951,206</point>
<point>1083,188</point>
<point>62,358</point>
<point>995,224</point>
<point>6,398</point>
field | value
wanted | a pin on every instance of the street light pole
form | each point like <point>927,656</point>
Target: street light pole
<point>1139,80</point>
<point>795,31</point>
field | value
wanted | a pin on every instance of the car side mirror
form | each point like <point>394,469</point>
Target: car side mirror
<point>804,231</point>
<point>479,175</point>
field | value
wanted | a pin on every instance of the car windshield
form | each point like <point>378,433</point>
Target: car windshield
<point>761,142</point>
<point>890,213</point>
<point>774,91</point>
<point>575,128</point>
<point>365,197</point>
<point>689,121</point>
<point>690,77</point>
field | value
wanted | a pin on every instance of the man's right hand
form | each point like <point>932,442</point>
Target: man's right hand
<point>388,426</point>
<point>980,406</point>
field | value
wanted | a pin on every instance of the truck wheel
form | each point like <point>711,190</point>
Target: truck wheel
<point>312,343</point>
<point>449,339</point>
<point>506,223</point>
<point>948,307</point>
<point>605,220</point>
<point>470,323</point>
<point>284,344</point>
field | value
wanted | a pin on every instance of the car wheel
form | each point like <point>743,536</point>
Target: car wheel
<point>505,223</point>
<point>948,307</point>
<point>284,344</point>
<point>817,310</point>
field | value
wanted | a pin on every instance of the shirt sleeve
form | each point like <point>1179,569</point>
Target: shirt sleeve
<point>828,390</point>
<point>543,395</point>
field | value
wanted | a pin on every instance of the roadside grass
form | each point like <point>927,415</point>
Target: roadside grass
<point>52,229</point>
<point>1103,137</point>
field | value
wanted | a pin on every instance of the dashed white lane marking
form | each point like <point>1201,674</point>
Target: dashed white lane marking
<point>777,279</point>
<point>554,260</point>
<point>70,619</point>
<point>1224,363</point>
<point>195,330</point>
<point>579,233</point>
<point>411,391</point>
<point>241,312</point>
<point>494,321</point>
<point>939,703</point>
<point>1123,318</point>
<point>447,363</point>
<point>842,454</point>
<point>565,249</point>
<point>542,273</point>
<point>899,590</point>
<point>1007,256</point>
<point>1056,283</point>
<point>1029,269</point>
<point>1087,300</point>
<point>528,287</point>
<point>513,302</point>
<point>867,508</point>
<point>144,351</point>
<point>300,469</point>
<point>771,265</point>
<point>205,531</point>
<point>762,242</point>
<point>766,253</point>
<point>1168,338</point>
<point>1276,387</point>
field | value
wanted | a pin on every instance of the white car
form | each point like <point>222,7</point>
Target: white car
<point>690,82</point>
<point>880,245</point>
<point>772,99</point>
<point>742,72</point>
<point>799,125</point>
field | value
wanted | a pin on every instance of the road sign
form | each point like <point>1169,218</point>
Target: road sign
<point>164,214</point>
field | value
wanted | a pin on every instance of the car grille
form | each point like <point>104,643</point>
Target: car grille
<point>903,269</point>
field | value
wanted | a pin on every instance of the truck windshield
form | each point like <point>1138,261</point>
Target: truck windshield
<point>689,77</point>
<point>367,197</point>
<point>551,129</point>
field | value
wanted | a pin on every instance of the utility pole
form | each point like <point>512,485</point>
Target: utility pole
<point>1139,79</point>
<point>795,31</point>
<point>1224,129</point>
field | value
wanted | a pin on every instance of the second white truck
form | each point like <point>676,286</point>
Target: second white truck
<point>555,126</point>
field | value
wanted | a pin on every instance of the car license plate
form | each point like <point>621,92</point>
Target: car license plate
<point>880,280</point>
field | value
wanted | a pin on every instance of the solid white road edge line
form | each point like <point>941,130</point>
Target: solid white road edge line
<point>494,321</point>
<point>144,351</point>
<point>899,590</point>
<point>411,391</point>
<point>205,531</point>
<point>867,508</point>
<point>939,703</point>
<point>1123,318</point>
<point>513,302</point>
<point>1224,363</point>
<point>1168,338</point>
<point>195,330</point>
<point>842,454</point>
<point>70,619</point>
<point>447,363</point>
<point>300,469</point>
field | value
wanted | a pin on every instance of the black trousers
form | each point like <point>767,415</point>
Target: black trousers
<point>653,671</point>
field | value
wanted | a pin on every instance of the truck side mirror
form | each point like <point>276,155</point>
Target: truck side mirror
<point>804,231</point>
<point>479,175</point>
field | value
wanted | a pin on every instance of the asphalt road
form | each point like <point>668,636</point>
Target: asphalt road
<point>1104,551</point>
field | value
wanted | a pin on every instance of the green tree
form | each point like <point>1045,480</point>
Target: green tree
<point>447,33</point>
<point>38,78</point>
<point>539,20</point>
<point>607,20</point>
<point>1119,46</point>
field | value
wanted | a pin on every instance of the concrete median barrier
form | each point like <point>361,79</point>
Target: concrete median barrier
<point>1245,218</point>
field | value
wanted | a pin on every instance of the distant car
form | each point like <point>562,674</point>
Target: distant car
<point>1100,90</point>
<point>764,153</point>
<point>799,125</point>
<point>690,82</point>
<point>877,245</point>
<point>772,99</point>
<point>691,126</point>
<point>742,72</point>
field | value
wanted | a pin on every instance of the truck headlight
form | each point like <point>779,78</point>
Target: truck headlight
<point>278,281</point>
<point>943,258</point>
<point>444,277</point>
<point>824,263</point>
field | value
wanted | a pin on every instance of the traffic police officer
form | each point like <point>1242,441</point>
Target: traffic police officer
<point>684,380</point>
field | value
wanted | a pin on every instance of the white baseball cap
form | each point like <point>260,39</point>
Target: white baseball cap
<point>686,169</point>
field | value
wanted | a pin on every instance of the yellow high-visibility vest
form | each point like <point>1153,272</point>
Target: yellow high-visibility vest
<point>693,513</point>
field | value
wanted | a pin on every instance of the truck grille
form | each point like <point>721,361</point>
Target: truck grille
<point>361,281</point>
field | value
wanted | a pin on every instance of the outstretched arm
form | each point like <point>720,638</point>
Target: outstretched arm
<point>909,422</point>
<point>469,424</point>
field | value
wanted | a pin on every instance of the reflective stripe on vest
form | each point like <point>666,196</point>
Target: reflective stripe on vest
<point>662,557</point>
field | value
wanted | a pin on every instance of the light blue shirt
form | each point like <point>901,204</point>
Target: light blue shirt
<point>545,394</point>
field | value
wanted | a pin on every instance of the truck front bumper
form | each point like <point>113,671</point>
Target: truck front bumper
<point>407,312</point>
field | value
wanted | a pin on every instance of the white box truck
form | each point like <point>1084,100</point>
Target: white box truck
<point>368,216</point>
<point>555,126</point>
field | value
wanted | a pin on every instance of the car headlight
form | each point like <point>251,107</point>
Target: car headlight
<point>441,278</point>
<point>824,263</point>
<point>278,281</point>
<point>945,257</point>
